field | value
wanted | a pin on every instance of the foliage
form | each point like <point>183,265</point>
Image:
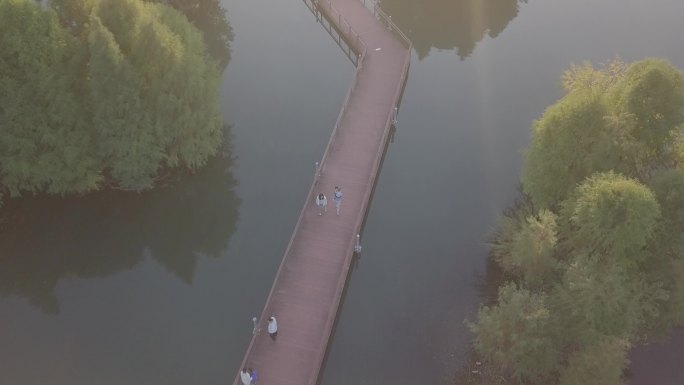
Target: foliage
<point>102,90</point>
<point>588,78</point>
<point>570,142</point>
<point>611,216</point>
<point>510,224</point>
<point>45,143</point>
<point>119,115</point>
<point>601,363</point>
<point>678,148</point>
<point>675,311</point>
<point>668,186</point>
<point>604,255</point>
<point>604,302</point>
<point>208,16</point>
<point>74,15</point>
<point>517,334</point>
<point>615,118</point>
<point>531,248</point>
<point>167,90</point>
<point>652,92</point>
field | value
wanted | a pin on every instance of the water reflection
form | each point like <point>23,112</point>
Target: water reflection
<point>210,18</point>
<point>450,24</point>
<point>50,238</point>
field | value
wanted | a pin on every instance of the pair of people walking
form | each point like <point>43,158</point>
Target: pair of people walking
<point>322,201</point>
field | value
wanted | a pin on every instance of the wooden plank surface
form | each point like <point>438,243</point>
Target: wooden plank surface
<point>308,285</point>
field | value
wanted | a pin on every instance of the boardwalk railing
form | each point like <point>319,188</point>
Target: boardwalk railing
<point>344,36</point>
<point>387,21</point>
<point>360,50</point>
<point>357,44</point>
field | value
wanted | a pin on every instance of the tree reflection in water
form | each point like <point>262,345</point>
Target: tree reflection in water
<point>450,24</point>
<point>51,238</point>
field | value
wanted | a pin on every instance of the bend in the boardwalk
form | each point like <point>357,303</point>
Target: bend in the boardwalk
<point>308,286</point>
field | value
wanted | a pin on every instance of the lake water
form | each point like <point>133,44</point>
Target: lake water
<point>160,288</point>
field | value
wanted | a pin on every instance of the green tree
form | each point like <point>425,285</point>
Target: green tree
<point>45,141</point>
<point>668,186</point>
<point>531,250</point>
<point>129,92</point>
<point>618,244</point>
<point>507,231</point>
<point>588,78</point>
<point>570,142</point>
<point>126,140</point>
<point>518,334</point>
<point>620,118</point>
<point>652,92</point>
<point>611,217</point>
<point>674,308</point>
<point>610,301</point>
<point>151,63</point>
<point>601,363</point>
<point>73,14</point>
<point>678,148</point>
<point>208,16</point>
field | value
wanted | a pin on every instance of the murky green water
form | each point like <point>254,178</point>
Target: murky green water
<point>160,288</point>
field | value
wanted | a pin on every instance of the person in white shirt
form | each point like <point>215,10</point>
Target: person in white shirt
<point>322,203</point>
<point>245,377</point>
<point>272,327</point>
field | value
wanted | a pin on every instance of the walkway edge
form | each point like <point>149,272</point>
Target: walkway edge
<point>360,51</point>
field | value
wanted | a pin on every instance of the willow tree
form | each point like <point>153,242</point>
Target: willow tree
<point>601,363</point>
<point>518,333</point>
<point>155,89</point>
<point>668,186</point>
<point>605,173</point>
<point>570,142</point>
<point>611,217</point>
<point>652,93</point>
<point>610,301</point>
<point>619,118</point>
<point>45,142</point>
<point>128,145</point>
<point>529,253</point>
<point>209,17</point>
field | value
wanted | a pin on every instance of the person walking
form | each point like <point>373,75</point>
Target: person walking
<point>337,198</point>
<point>253,375</point>
<point>322,203</point>
<point>245,377</point>
<point>272,327</point>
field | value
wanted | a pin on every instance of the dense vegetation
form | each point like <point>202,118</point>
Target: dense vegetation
<point>102,92</point>
<point>594,251</point>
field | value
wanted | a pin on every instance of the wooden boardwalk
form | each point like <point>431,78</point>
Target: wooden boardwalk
<point>308,286</point>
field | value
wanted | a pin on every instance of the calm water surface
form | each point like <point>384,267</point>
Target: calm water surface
<point>159,288</point>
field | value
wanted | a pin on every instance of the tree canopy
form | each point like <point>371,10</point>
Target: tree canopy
<point>45,143</point>
<point>517,333</point>
<point>611,216</point>
<point>597,250</point>
<point>102,91</point>
<point>619,118</point>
